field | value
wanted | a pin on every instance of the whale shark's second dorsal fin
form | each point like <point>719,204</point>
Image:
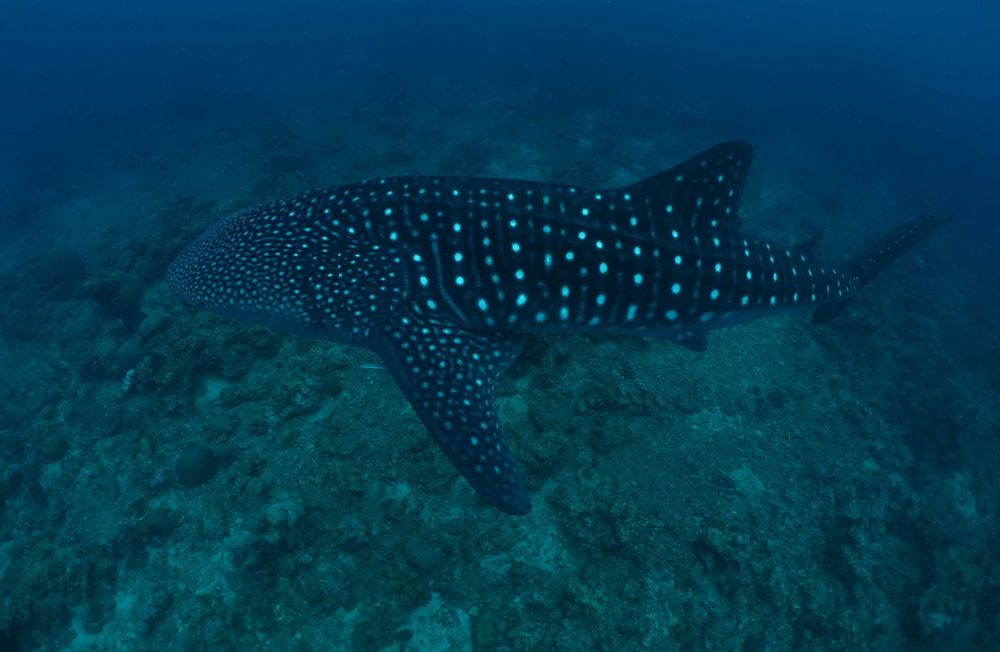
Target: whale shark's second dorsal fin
<point>702,193</point>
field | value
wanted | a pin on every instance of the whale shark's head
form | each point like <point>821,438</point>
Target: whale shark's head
<point>248,267</point>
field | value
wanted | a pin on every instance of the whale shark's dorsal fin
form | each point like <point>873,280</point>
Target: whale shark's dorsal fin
<point>704,191</point>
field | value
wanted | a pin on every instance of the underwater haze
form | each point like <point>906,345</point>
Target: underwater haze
<point>810,466</point>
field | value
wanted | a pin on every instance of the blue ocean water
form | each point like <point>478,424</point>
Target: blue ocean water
<point>171,479</point>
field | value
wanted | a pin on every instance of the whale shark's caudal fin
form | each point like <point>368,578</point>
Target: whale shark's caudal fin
<point>880,255</point>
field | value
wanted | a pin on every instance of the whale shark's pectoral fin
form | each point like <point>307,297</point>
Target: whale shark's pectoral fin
<point>448,374</point>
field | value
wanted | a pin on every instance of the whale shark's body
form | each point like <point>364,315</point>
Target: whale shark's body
<point>442,277</point>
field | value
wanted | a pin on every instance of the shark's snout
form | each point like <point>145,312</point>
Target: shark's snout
<point>179,279</point>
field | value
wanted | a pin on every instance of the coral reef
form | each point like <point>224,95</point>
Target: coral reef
<point>792,488</point>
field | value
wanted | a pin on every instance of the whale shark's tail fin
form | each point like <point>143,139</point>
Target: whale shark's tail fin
<point>881,254</point>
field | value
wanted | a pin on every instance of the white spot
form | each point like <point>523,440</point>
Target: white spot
<point>423,281</point>
<point>676,288</point>
<point>670,208</point>
<point>522,299</point>
<point>603,267</point>
<point>672,315</point>
<point>638,279</point>
<point>678,260</point>
<point>585,212</point>
<point>483,305</point>
<point>459,280</point>
<point>718,268</point>
<point>515,247</point>
<point>458,257</point>
<point>601,299</point>
<point>714,294</point>
<point>631,312</point>
<point>749,275</point>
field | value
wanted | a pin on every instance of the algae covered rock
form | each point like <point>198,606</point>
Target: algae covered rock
<point>128,354</point>
<point>153,323</point>
<point>421,554</point>
<point>197,465</point>
<point>285,512</point>
<point>53,447</point>
<point>485,630</point>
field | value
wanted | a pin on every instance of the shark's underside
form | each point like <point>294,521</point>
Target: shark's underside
<point>443,276</point>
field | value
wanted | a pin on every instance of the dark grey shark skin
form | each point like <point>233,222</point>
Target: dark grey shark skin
<point>442,277</point>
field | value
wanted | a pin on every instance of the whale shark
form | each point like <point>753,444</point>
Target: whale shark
<point>443,278</point>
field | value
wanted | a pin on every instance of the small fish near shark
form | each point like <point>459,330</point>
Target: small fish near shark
<point>443,277</point>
